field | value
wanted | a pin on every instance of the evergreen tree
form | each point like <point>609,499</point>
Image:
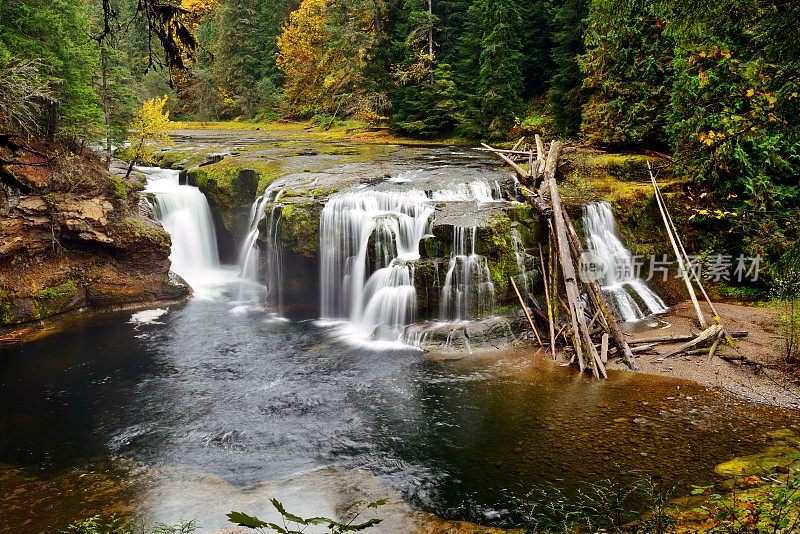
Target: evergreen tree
<point>567,95</point>
<point>628,69</point>
<point>54,34</point>
<point>245,50</point>
<point>491,69</point>
<point>536,35</point>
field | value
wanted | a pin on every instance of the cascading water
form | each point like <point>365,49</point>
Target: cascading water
<point>477,190</point>
<point>375,293</point>
<point>468,291</point>
<point>250,254</point>
<point>619,282</point>
<point>527,276</point>
<point>185,215</point>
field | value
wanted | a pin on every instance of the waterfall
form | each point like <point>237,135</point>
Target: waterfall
<point>374,292</point>
<point>251,287</point>
<point>623,289</point>
<point>527,276</point>
<point>477,190</point>
<point>185,215</point>
<point>468,291</point>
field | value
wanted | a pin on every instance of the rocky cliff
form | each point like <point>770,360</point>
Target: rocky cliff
<point>74,237</point>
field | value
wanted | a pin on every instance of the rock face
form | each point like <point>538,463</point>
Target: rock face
<point>74,237</point>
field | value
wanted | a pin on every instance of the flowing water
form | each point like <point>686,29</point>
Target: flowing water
<point>186,412</point>
<point>468,291</point>
<point>197,405</point>
<point>183,211</point>
<point>626,292</point>
<point>259,286</point>
<point>372,287</point>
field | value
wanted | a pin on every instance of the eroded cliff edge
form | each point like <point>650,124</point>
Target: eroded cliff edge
<point>74,237</point>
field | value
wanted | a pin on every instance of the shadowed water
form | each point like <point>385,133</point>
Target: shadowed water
<point>245,399</point>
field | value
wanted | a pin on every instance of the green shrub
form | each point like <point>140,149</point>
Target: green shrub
<point>119,188</point>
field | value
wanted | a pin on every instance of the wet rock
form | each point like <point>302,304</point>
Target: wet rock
<point>489,333</point>
<point>71,241</point>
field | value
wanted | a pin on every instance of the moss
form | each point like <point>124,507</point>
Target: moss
<point>142,229</point>
<point>6,307</point>
<point>494,242</point>
<point>299,227</point>
<point>119,188</point>
<point>54,299</point>
<point>625,167</point>
<point>235,182</point>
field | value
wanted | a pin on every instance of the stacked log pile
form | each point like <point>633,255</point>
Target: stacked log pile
<point>577,316</point>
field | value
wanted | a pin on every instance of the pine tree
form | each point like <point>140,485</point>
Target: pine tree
<point>628,69</point>
<point>491,69</point>
<point>245,50</point>
<point>54,34</point>
<point>566,94</point>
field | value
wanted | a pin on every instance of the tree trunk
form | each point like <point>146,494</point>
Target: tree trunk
<point>106,103</point>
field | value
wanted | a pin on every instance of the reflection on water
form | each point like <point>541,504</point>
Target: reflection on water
<point>200,393</point>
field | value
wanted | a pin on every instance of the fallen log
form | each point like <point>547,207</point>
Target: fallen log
<point>525,310</point>
<point>678,339</point>
<point>643,348</point>
<point>662,208</point>
<point>535,199</point>
<point>550,319</point>
<point>600,302</point>
<point>523,176</point>
<point>584,347</point>
<point>705,335</point>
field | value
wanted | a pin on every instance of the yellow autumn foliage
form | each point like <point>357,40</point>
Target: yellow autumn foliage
<point>301,49</point>
<point>150,129</point>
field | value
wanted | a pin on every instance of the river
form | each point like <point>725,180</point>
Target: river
<point>140,416</point>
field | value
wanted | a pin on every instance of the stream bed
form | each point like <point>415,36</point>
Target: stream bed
<point>141,416</point>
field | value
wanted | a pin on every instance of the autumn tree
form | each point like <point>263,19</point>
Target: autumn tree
<point>149,130</point>
<point>301,48</point>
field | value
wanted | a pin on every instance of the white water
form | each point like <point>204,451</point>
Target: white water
<point>478,190</point>
<point>526,275</point>
<point>185,215</point>
<point>251,288</point>
<point>629,295</point>
<point>468,291</point>
<point>373,291</point>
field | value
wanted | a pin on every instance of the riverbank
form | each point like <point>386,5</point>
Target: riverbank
<point>763,376</point>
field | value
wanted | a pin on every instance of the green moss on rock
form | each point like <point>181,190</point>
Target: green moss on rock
<point>54,299</point>
<point>299,227</point>
<point>6,307</point>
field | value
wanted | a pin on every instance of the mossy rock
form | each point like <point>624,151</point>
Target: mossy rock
<point>761,463</point>
<point>625,167</point>
<point>6,307</point>
<point>55,299</point>
<point>145,230</point>
<point>299,227</point>
<point>228,187</point>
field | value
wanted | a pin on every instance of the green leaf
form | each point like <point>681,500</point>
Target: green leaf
<point>379,502</point>
<point>699,490</point>
<point>359,527</point>
<point>286,515</point>
<point>244,520</point>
